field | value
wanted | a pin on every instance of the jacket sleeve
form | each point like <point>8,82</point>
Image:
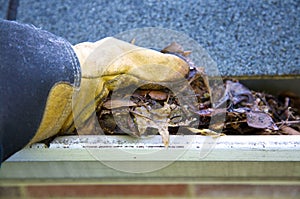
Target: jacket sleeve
<point>31,62</point>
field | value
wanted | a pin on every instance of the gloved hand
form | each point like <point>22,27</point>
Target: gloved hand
<point>106,65</point>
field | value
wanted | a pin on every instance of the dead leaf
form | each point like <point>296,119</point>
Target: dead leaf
<point>154,118</point>
<point>176,48</point>
<point>158,95</point>
<point>118,103</point>
<point>260,120</point>
<point>289,131</point>
<point>238,92</point>
<point>206,132</point>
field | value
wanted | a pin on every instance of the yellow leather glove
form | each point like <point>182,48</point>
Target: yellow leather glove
<point>106,65</point>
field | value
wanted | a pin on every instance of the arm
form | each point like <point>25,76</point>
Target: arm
<point>32,61</point>
<point>39,71</point>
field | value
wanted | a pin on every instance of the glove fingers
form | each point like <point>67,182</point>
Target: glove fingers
<point>149,65</point>
<point>111,56</point>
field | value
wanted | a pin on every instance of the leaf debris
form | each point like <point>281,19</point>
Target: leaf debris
<point>157,111</point>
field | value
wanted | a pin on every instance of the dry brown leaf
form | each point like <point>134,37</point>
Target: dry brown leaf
<point>206,132</point>
<point>289,131</point>
<point>154,118</point>
<point>176,48</point>
<point>158,95</point>
<point>118,103</point>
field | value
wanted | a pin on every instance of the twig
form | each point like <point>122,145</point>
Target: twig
<point>287,122</point>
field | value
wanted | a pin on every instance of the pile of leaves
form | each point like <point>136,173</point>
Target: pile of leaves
<point>237,110</point>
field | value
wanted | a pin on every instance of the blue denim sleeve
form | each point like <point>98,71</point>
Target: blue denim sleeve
<point>1,155</point>
<point>31,62</point>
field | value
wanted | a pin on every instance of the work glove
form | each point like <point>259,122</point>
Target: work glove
<point>106,65</point>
